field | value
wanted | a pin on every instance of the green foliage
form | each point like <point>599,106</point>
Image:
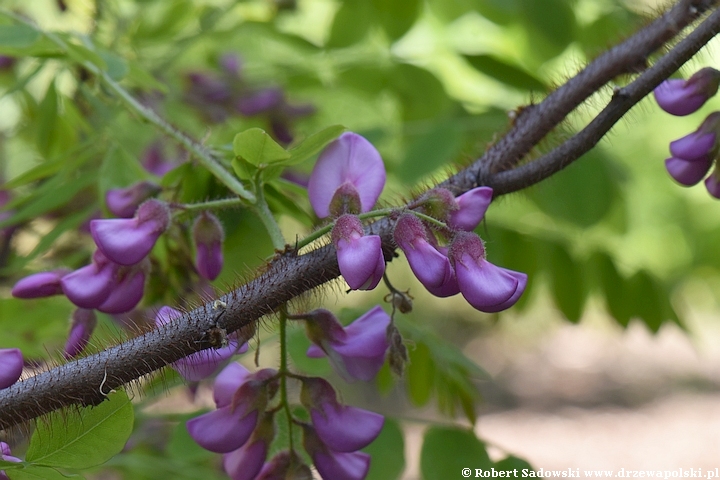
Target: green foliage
<point>450,449</point>
<point>83,438</point>
<point>387,453</point>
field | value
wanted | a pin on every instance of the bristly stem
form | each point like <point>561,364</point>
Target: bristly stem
<point>383,212</point>
<point>284,373</point>
<point>197,150</point>
<point>211,204</point>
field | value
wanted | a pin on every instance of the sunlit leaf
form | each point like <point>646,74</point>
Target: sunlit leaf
<point>449,449</point>
<point>387,453</point>
<point>256,147</point>
<point>420,375</point>
<point>312,145</point>
<point>18,36</point>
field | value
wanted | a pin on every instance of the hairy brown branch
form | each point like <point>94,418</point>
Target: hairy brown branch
<point>86,381</point>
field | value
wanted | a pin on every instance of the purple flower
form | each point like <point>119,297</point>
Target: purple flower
<point>11,366</point>
<point>683,97</point>
<point>472,206</point>
<point>350,162</point>
<point>695,145</point>
<point>227,383</point>
<point>260,101</point>
<point>127,289</point>
<point>83,324</point>
<point>123,202</point>
<point>204,363</point>
<point>713,185</point>
<point>359,256</point>
<point>208,235</point>
<point>429,265</point>
<point>343,428</point>
<point>5,456</point>
<point>90,286</point>
<point>154,160</point>
<point>246,462</point>
<point>356,351</point>
<point>229,427</point>
<point>43,284</point>
<point>334,465</point>
<point>127,241</point>
<point>688,172</point>
<point>485,286</point>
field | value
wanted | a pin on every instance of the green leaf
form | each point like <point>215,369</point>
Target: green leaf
<point>397,16</point>
<point>116,66</point>
<point>387,453</point>
<point>551,24</point>
<point>119,169</point>
<point>83,438</point>
<point>82,54</point>
<point>567,281</point>
<point>420,374</point>
<point>507,73</point>
<point>583,193</point>
<point>33,472</point>
<point>18,36</point>
<point>512,462</point>
<point>48,120</point>
<point>651,303</point>
<point>312,145</point>
<point>430,150</point>
<point>258,148</point>
<point>618,298</point>
<point>447,450</point>
<point>351,23</point>
<point>51,195</point>
<point>422,95</point>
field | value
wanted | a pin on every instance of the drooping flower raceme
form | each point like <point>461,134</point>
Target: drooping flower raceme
<point>486,287</point>
<point>204,363</point>
<point>429,265</point>
<point>683,97</point>
<point>360,256</point>
<point>342,428</point>
<point>356,351</point>
<point>347,178</point>
<point>11,366</point>
<point>127,241</point>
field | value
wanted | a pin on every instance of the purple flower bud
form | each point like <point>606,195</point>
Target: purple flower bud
<point>208,235</point>
<point>154,160</point>
<point>688,172</point>
<point>11,366</point>
<point>231,64</point>
<point>204,363</point>
<point>6,62</point>
<point>122,202</point>
<point>43,284</point>
<point>260,102</point>
<point>683,97</point>
<point>246,462</point>
<point>90,286</point>
<point>83,324</point>
<point>485,286</point>
<point>127,241</point>
<point>360,352</point>
<point>229,427</point>
<point>429,265</point>
<point>334,465</point>
<point>713,185</point>
<point>342,428</point>
<point>360,257</point>
<point>472,207</point>
<point>352,159</point>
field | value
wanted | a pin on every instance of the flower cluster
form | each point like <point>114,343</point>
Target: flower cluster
<point>348,179</point>
<point>227,94</point>
<point>242,427</point>
<point>693,155</point>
